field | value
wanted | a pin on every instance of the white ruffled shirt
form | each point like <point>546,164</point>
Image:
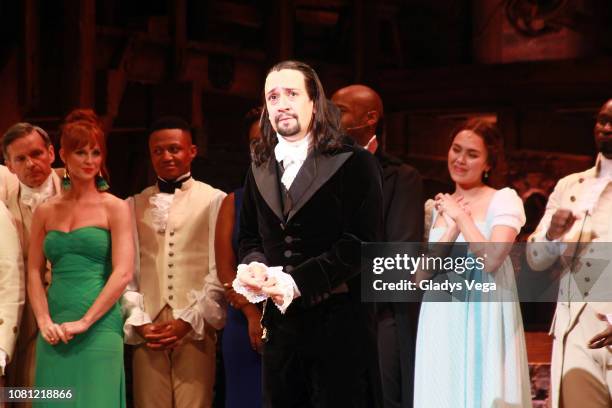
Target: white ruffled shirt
<point>32,197</point>
<point>160,206</point>
<point>292,155</point>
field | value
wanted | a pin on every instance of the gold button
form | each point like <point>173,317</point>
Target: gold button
<point>170,276</point>
<point>586,294</point>
<point>581,179</point>
<point>170,253</point>
<point>170,287</point>
<point>171,243</point>
<point>14,329</point>
<point>170,297</point>
<point>171,233</point>
<point>170,265</point>
<point>535,253</point>
<point>588,264</point>
<point>1,321</point>
<point>532,239</point>
<point>587,279</point>
<point>572,199</point>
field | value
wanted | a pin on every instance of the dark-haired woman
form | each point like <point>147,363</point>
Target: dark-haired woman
<point>472,353</point>
<point>86,236</point>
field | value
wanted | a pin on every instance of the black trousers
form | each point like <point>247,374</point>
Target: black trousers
<point>317,357</point>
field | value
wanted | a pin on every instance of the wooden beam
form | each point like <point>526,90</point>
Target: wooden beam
<point>178,32</point>
<point>30,62</point>
<point>87,48</point>
<point>280,30</point>
<point>543,82</point>
<point>365,39</point>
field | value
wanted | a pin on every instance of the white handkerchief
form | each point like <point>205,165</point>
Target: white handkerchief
<point>239,287</point>
<point>285,282</point>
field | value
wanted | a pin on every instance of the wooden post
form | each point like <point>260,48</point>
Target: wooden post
<point>280,30</point>
<point>87,48</point>
<point>30,55</point>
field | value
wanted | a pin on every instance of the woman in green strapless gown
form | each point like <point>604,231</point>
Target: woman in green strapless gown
<point>86,236</point>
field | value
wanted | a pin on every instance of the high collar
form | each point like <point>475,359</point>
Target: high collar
<point>303,146</point>
<point>603,166</point>
<point>47,188</point>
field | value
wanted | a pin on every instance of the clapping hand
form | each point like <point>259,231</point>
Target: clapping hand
<point>451,208</point>
<point>604,338</point>
<point>561,222</point>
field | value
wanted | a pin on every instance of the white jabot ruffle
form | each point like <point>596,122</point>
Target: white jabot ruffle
<point>292,155</point>
<point>33,197</point>
<point>160,208</point>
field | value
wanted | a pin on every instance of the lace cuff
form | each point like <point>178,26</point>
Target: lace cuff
<point>132,306</point>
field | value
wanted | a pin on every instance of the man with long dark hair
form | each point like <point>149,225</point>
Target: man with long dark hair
<point>309,202</point>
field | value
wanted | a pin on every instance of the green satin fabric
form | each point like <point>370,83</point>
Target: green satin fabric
<point>91,364</point>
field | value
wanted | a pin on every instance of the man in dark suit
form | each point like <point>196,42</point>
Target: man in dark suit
<point>309,202</point>
<point>362,112</point>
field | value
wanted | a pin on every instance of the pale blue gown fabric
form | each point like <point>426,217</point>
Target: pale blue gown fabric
<point>473,354</point>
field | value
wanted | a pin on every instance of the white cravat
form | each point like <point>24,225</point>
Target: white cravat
<point>160,207</point>
<point>32,197</point>
<point>292,155</point>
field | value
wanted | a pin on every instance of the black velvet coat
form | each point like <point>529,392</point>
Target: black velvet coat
<point>315,232</point>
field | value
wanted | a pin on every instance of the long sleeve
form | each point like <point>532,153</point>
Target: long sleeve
<point>250,245</point>
<point>12,283</point>
<point>132,302</point>
<point>207,305</point>
<point>542,253</point>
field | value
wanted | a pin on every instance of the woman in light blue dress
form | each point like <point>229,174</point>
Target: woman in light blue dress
<point>472,353</point>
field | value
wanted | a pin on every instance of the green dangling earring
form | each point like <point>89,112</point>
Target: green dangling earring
<point>66,184</point>
<point>101,183</point>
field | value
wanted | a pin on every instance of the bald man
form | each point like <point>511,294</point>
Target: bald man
<point>362,112</point>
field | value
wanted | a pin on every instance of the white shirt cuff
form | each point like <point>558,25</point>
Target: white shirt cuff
<point>133,309</point>
<point>285,283</point>
<point>287,286</point>
<point>3,361</point>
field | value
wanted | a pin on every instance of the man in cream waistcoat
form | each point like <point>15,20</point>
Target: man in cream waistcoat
<point>29,154</point>
<point>577,226</point>
<point>176,301</point>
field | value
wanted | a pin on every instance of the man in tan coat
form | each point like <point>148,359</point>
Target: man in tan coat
<point>29,154</point>
<point>577,226</point>
<point>8,181</point>
<point>176,302</point>
<point>12,289</point>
